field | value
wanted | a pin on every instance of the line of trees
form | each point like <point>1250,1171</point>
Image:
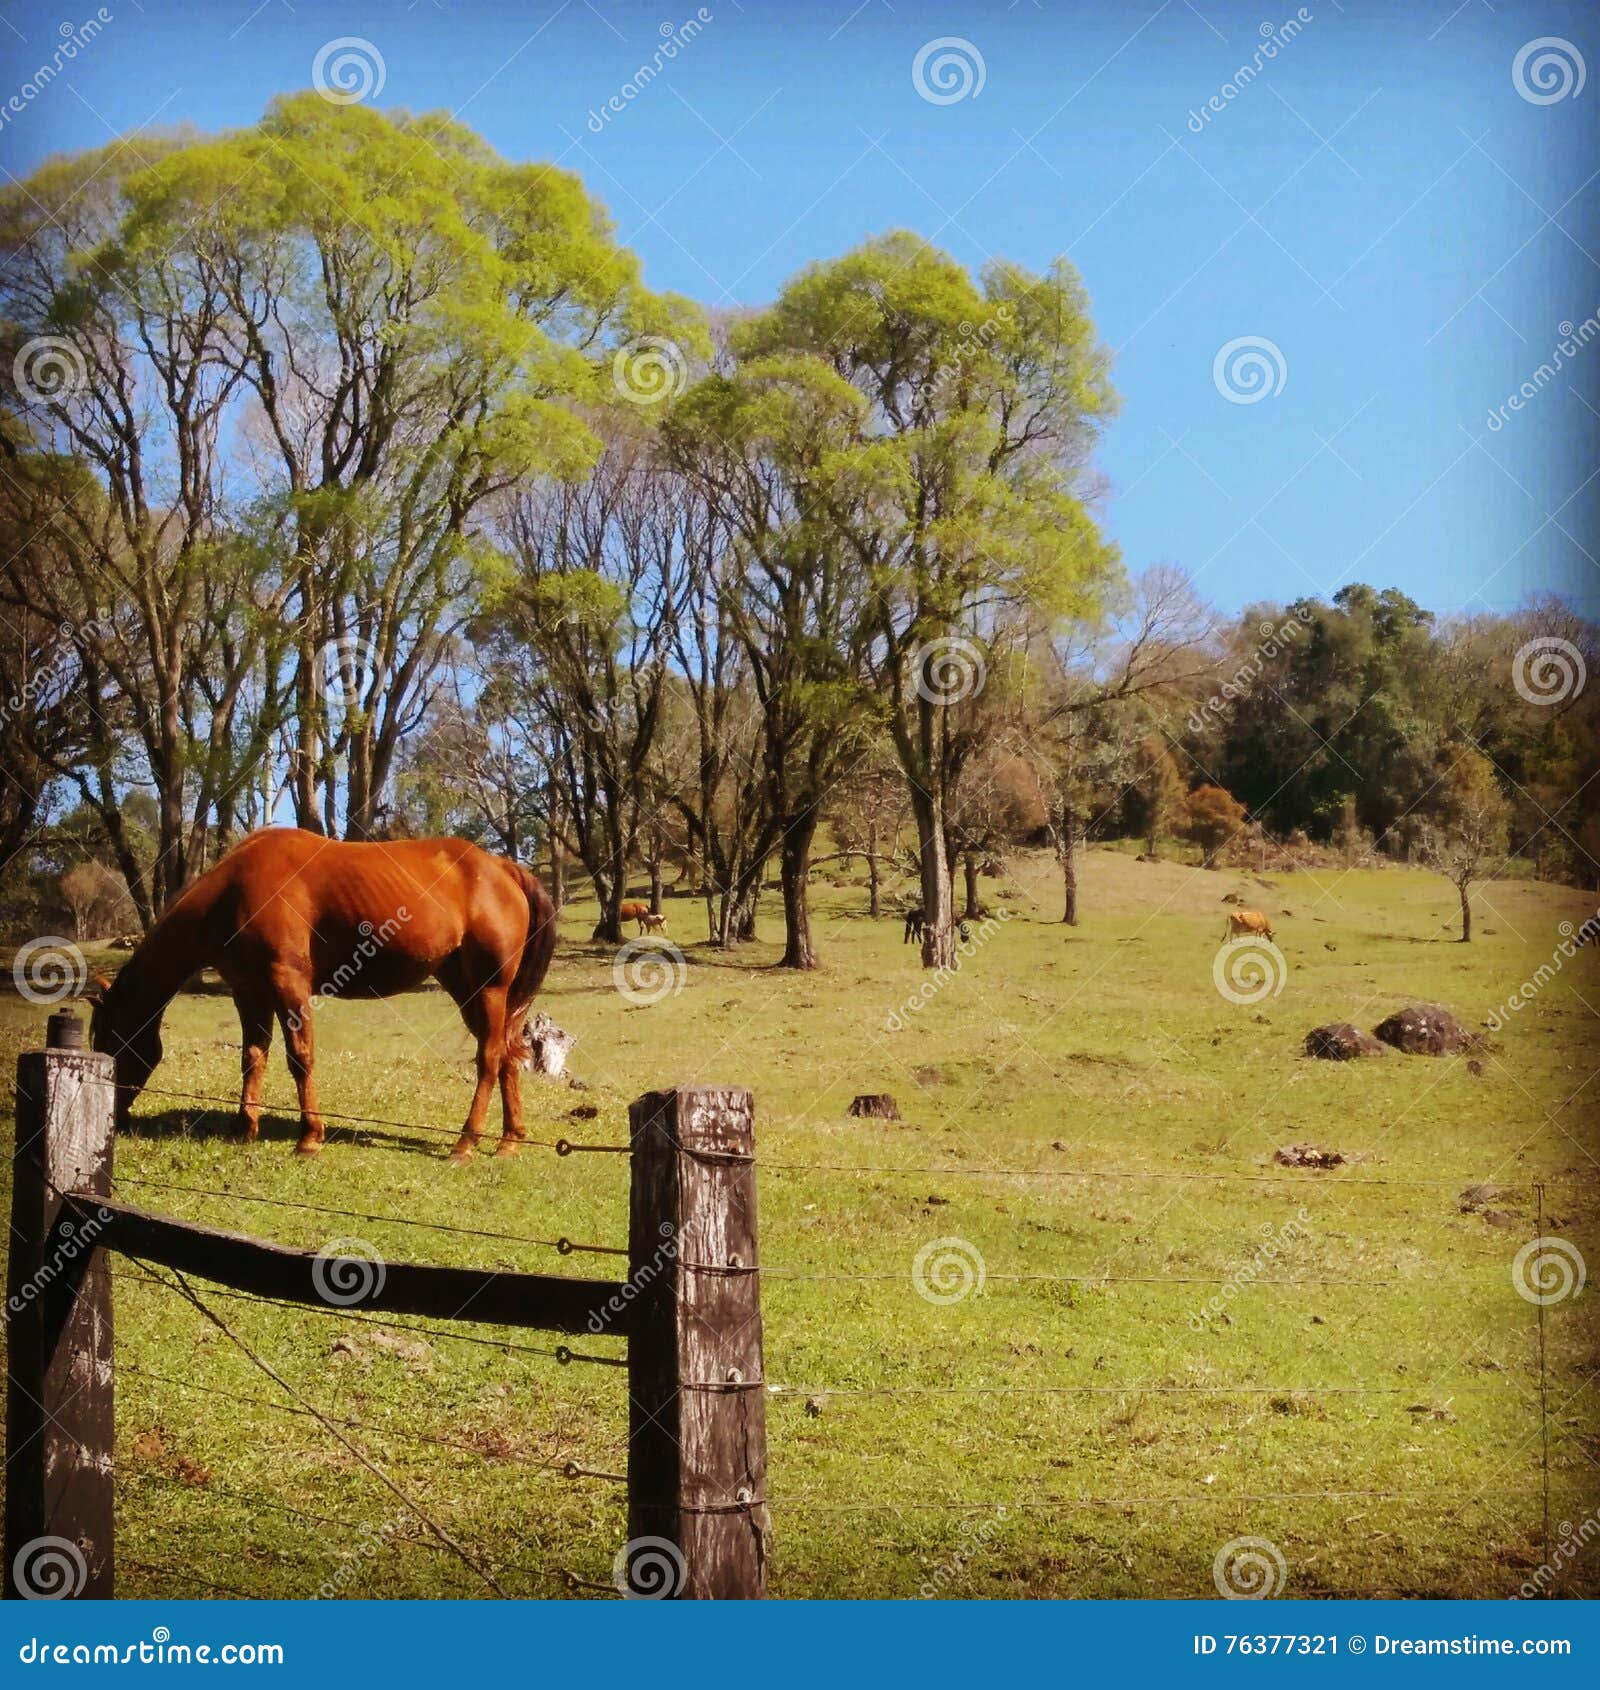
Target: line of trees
<point>352,477</point>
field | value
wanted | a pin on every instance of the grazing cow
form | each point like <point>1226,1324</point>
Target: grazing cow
<point>631,909</point>
<point>649,923</point>
<point>914,921</point>
<point>1248,924</point>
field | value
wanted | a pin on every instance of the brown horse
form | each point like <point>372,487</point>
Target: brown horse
<point>289,917</point>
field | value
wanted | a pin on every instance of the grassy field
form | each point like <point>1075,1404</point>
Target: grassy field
<point>1368,1399</point>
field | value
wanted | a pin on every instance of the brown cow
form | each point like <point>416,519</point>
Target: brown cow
<point>1247,924</point>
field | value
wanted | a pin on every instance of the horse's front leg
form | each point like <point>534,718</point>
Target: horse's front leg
<point>255,1027</point>
<point>294,1015</point>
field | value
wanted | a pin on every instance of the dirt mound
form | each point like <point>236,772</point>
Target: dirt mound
<point>1309,1156</point>
<point>1341,1041</point>
<point>1426,1029</point>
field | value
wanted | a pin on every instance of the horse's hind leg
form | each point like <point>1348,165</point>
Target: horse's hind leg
<point>294,1016</point>
<point>511,1129</point>
<point>255,1026</point>
<point>485,1016</point>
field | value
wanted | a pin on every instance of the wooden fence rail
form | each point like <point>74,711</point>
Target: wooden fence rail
<point>690,1308</point>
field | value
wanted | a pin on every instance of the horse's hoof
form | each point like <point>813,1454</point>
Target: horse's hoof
<point>461,1153</point>
<point>308,1147</point>
<point>507,1149</point>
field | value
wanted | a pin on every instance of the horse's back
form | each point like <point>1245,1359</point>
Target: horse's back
<point>284,889</point>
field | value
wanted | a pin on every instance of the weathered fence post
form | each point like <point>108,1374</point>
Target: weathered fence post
<point>697,1415</point>
<point>59,1424</point>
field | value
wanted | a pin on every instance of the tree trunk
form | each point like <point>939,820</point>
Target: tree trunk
<point>969,863</point>
<point>1466,912</point>
<point>795,869</point>
<point>558,868</point>
<point>874,874</point>
<point>938,947</point>
<point>654,866</point>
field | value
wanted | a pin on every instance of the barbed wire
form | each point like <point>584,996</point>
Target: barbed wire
<point>950,1505</point>
<point>1323,1179</point>
<point>556,1465</point>
<point>231,1104</point>
<point>1125,1389</point>
<point>561,1353</point>
<point>562,1246</point>
<point>799,1274</point>
<point>356,1528</point>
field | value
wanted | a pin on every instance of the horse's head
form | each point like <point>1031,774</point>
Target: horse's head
<point>127,1031</point>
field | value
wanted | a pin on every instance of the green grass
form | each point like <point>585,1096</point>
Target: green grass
<point>1103,1056</point>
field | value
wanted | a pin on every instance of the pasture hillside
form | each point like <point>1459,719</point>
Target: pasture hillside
<point>1066,1328</point>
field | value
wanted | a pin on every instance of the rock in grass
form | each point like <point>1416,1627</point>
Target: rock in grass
<point>1476,1196</point>
<point>1341,1041</point>
<point>1425,1029</point>
<point>880,1105</point>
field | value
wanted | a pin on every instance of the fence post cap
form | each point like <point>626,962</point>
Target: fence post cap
<point>64,1031</point>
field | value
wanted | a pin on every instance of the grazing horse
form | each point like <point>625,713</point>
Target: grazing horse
<point>1245,924</point>
<point>289,917</point>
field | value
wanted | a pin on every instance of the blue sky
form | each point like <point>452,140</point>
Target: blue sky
<point>1379,202</point>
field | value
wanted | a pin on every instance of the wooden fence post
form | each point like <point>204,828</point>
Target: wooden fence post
<point>698,1522</point>
<point>59,1423</point>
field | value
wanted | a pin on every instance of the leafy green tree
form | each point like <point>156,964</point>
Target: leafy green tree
<point>1465,840</point>
<point>963,413</point>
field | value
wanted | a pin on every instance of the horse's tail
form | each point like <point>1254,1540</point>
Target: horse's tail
<point>537,949</point>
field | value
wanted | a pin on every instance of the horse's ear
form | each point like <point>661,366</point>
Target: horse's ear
<point>97,992</point>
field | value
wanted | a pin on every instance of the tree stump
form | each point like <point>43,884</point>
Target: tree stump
<point>880,1105</point>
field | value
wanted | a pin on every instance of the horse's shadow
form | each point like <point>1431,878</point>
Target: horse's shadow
<point>216,1125</point>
